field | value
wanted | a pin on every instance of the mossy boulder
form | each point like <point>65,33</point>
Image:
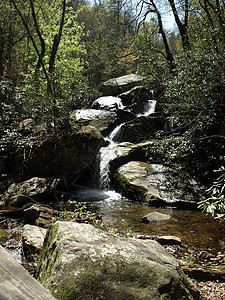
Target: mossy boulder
<point>80,261</point>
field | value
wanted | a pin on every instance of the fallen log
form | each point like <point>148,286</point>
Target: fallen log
<point>17,283</point>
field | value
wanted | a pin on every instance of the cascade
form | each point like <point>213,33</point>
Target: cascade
<point>110,152</point>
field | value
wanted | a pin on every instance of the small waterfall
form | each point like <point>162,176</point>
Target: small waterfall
<point>106,155</point>
<point>110,152</point>
<point>147,108</point>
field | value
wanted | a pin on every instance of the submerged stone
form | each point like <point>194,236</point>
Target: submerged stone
<point>155,217</point>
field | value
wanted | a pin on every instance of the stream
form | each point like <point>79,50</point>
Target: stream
<point>197,231</point>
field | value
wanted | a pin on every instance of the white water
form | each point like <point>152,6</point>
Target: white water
<point>87,114</point>
<point>148,108</point>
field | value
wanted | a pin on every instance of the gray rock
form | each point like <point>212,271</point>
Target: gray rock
<point>66,153</point>
<point>39,215</point>
<point>168,240</point>
<point>155,217</point>
<point>154,184</point>
<point>33,239</point>
<point>34,189</point>
<point>108,103</point>
<point>100,119</point>
<point>121,84</point>
<point>133,95</point>
<point>163,240</point>
<point>17,283</point>
<point>80,261</point>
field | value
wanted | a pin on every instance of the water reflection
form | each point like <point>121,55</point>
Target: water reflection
<point>196,230</point>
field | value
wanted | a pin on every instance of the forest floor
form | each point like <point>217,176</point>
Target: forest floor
<point>211,290</point>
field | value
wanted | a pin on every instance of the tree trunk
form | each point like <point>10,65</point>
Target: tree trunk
<point>182,26</point>
<point>169,56</point>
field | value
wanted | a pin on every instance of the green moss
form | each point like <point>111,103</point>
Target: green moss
<point>4,235</point>
<point>129,190</point>
<point>49,255</point>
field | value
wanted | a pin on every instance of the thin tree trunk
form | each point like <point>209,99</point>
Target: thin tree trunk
<point>182,26</point>
<point>40,38</point>
<point>169,56</point>
<point>35,47</point>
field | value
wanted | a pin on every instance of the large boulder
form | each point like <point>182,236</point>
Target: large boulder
<point>54,154</point>
<point>121,84</point>
<point>80,261</point>
<point>140,129</point>
<point>136,94</point>
<point>66,154</point>
<point>155,184</point>
<point>108,102</point>
<point>103,120</point>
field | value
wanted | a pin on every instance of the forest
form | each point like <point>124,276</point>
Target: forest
<point>55,54</point>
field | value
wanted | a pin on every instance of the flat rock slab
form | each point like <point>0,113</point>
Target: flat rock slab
<point>16,283</point>
<point>155,217</point>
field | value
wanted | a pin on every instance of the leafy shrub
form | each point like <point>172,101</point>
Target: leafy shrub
<point>215,203</point>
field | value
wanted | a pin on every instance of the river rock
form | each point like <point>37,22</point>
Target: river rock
<point>135,94</point>
<point>35,189</point>
<point>155,217</point>
<point>204,273</point>
<point>168,240</point>
<point>102,120</point>
<point>154,151</point>
<point>163,240</point>
<point>4,235</point>
<point>108,103</point>
<point>17,283</point>
<point>64,154</point>
<point>33,239</point>
<point>154,184</point>
<point>39,215</point>
<point>140,129</point>
<point>116,86</point>
<point>80,261</point>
